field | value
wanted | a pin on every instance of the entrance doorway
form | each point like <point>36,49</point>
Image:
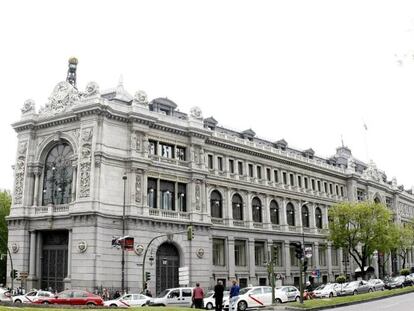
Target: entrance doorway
<point>54,260</point>
<point>167,264</point>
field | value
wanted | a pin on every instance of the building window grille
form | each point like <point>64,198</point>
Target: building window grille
<point>240,168</point>
<point>318,218</point>
<point>210,161</point>
<point>231,166</point>
<point>305,216</point>
<point>322,255</point>
<point>180,153</point>
<point>259,253</point>
<point>250,170</point>
<point>257,210</point>
<point>290,214</point>
<point>58,174</point>
<point>240,253</point>
<point>216,204</point>
<point>237,207</point>
<point>274,213</point>
<point>218,252</point>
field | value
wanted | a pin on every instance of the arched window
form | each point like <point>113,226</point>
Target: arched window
<point>377,200</point>
<point>318,218</point>
<point>290,214</point>
<point>257,209</point>
<point>216,204</point>
<point>274,213</point>
<point>237,207</point>
<point>57,177</point>
<point>305,216</point>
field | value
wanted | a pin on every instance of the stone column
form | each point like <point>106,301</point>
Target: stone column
<point>36,187</point>
<point>248,209</point>
<point>316,255</point>
<point>283,216</point>
<point>32,255</point>
<point>341,258</point>
<point>287,260</point>
<point>298,216</point>
<point>74,180</point>
<point>329,260</point>
<point>312,224</point>
<point>228,209</point>
<point>230,257</point>
<point>39,245</point>
<point>325,222</point>
<point>158,194</point>
<point>266,213</point>
<point>67,279</point>
<point>252,264</point>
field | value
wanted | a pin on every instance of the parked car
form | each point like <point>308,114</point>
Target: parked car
<point>5,295</point>
<point>356,287</point>
<point>398,281</point>
<point>72,297</point>
<point>180,297</point>
<point>32,296</point>
<point>377,284</point>
<point>250,297</point>
<point>210,301</point>
<point>327,290</point>
<point>286,294</point>
<point>127,300</point>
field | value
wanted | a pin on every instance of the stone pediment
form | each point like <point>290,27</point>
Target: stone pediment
<point>281,143</point>
<point>64,95</point>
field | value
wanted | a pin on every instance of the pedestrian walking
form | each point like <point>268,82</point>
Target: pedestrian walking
<point>198,295</point>
<point>234,293</point>
<point>218,295</point>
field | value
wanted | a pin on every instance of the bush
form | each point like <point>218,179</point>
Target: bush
<point>405,272</point>
<point>340,279</point>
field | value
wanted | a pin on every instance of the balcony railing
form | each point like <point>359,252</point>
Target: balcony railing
<point>169,214</point>
<point>239,223</point>
<point>217,221</point>
<point>258,225</point>
<point>52,209</point>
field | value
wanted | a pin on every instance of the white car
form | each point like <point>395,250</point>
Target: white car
<point>127,300</point>
<point>286,294</point>
<point>5,295</point>
<point>32,296</point>
<point>251,297</point>
<point>327,290</point>
<point>210,302</point>
<point>175,297</point>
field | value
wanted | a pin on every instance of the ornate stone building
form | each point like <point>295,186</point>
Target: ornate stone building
<point>242,194</point>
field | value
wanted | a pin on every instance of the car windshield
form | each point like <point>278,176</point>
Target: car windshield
<point>350,284</point>
<point>397,278</point>
<point>320,287</point>
<point>244,290</point>
<point>208,295</point>
<point>163,293</point>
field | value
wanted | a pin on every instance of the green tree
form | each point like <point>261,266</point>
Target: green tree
<point>404,241</point>
<point>360,229</point>
<point>5,203</point>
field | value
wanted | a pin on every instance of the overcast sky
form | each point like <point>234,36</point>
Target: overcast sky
<point>306,71</point>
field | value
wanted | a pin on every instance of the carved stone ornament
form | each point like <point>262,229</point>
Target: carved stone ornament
<point>22,148</point>
<point>28,106</point>
<point>64,95</point>
<point>351,165</point>
<point>82,246</point>
<point>135,141</point>
<point>197,196</point>
<point>372,173</point>
<point>92,89</point>
<point>87,134</point>
<point>196,113</point>
<point>139,249</point>
<point>15,248</point>
<point>85,171</point>
<point>141,98</point>
<point>138,188</point>
<point>200,253</point>
<point>19,180</point>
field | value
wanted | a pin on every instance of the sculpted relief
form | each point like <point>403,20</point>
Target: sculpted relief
<point>85,162</point>
<point>19,171</point>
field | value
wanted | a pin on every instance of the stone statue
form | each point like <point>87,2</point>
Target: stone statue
<point>92,89</point>
<point>196,113</point>
<point>141,97</point>
<point>28,106</point>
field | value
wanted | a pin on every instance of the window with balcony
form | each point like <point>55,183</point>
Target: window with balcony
<point>274,213</point>
<point>167,195</point>
<point>166,150</point>
<point>180,153</point>
<point>257,209</point>
<point>182,197</point>
<point>152,192</point>
<point>219,252</point>
<point>240,253</point>
<point>290,214</point>
<point>305,216</point>
<point>237,207</point>
<point>318,218</point>
<point>259,253</point>
<point>216,204</point>
<point>152,147</point>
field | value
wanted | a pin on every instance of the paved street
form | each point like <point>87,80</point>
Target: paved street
<point>400,303</point>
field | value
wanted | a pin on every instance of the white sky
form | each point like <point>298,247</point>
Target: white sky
<point>305,71</point>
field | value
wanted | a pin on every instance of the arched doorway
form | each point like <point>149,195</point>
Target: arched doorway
<point>168,262</point>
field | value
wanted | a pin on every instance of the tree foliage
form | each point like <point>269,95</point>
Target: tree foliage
<point>404,240</point>
<point>5,203</point>
<point>360,229</point>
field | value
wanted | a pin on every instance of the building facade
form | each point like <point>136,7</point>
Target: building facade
<point>94,165</point>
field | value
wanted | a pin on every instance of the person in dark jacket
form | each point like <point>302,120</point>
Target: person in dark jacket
<point>218,295</point>
<point>234,293</point>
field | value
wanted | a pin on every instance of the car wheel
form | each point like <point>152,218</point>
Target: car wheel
<point>17,301</point>
<point>330,295</point>
<point>370,290</point>
<point>242,305</point>
<point>297,299</point>
<point>209,306</point>
<point>46,302</point>
<point>402,285</point>
<point>113,305</point>
<point>278,300</point>
<point>90,304</point>
<point>355,292</point>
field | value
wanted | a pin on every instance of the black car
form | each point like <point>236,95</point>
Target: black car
<point>398,282</point>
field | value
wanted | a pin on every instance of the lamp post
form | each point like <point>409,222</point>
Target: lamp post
<point>124,178</point>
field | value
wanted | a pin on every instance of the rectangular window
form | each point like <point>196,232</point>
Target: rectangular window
<point>166,150</point>
<point>334,256</point>
<point>342,191</point>
<point>291,179</point>
<point>240,253</point>
<point>259,253</point>
<point>167,196</point>
<point>313,183</point>
<point>210,162</point>
<point>305,179</point>
<point>152,147</point>
<point>240,168</point>
<point>218,252</point>
<point>330,189</point>
<point>336,189</point>
<point>182,197</point>
<point>360,195</point>
<point>277,254</point>
<point>220,163</point>
<point>259,172</point>
<point>268,174</point>
<point>388,202</point>
<point>231,166</point>
<point>284,178</point>
<point>152,192</point>
<point>319,185</point>
<point>276,173</point>
<point>299,181</point>
<point>180,153</point>
<point>293,260</point>
<point>325,185</point>
<point>322,255</point>
<point>250,170</point>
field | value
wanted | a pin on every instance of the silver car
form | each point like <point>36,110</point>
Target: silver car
<point>356,287</point>
<point>377,284</point>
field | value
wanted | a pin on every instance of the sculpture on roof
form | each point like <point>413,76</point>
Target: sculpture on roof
<point>372,173</point>
<point>28,106</point>
<point>351,165</point>
<point>92,89</point>
<point>64,95</point>
<point>141,98</point>
<point>196,113</point>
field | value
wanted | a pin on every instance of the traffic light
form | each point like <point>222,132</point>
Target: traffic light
<point>13,274</point>
<point>190,233</point>
<point>305,265</point>
<point>147,276</point>
<point>298,251</point>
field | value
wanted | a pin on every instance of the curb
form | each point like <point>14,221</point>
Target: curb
<point>344,304</point>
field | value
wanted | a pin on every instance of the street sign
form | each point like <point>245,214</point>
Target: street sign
<point>308,252</point>
<point>24,274</point>
<point>183,276</point>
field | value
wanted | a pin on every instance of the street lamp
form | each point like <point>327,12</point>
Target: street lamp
<point>124,178</point>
